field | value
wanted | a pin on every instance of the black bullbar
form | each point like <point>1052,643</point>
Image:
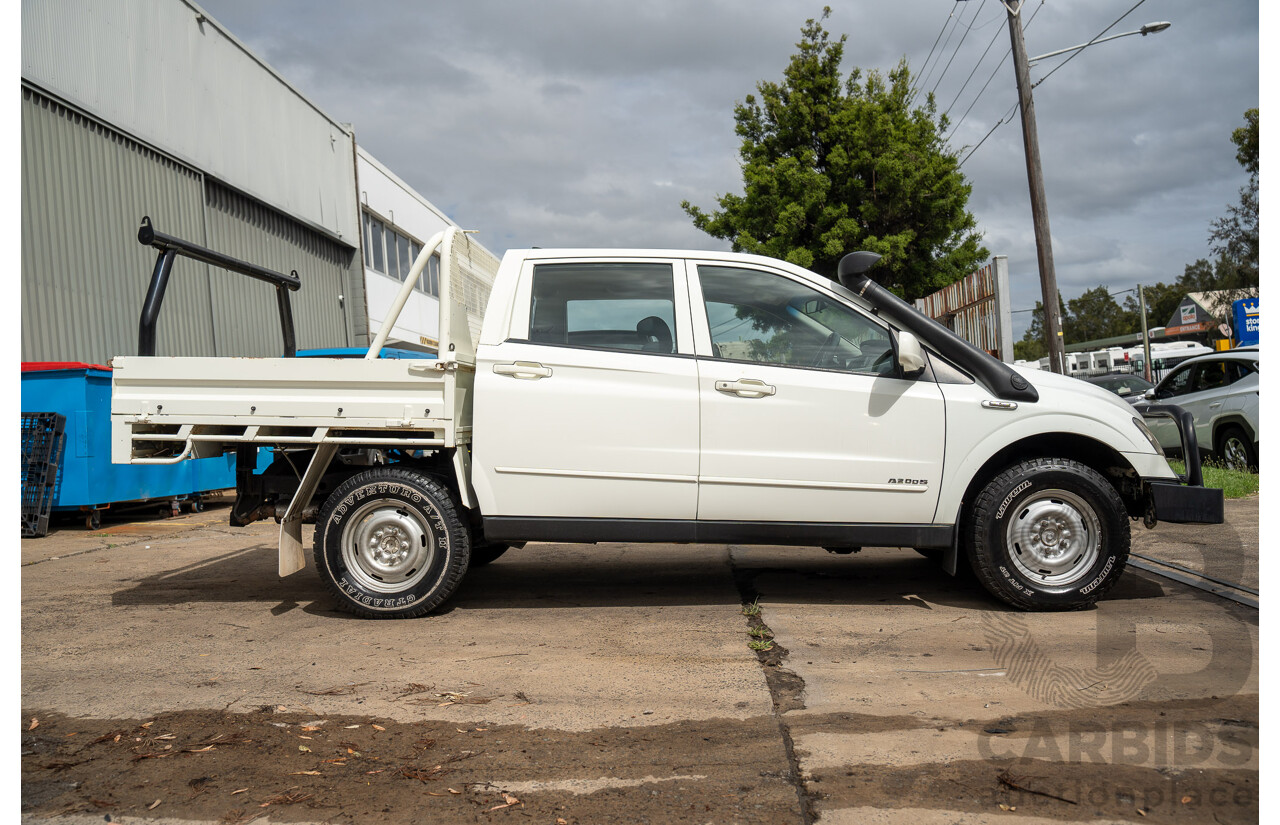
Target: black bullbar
<point>1186,501</point>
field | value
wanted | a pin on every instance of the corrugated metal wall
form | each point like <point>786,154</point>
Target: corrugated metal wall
<point>85,188</point>
<point>167,74</point>
<point>246,319</point>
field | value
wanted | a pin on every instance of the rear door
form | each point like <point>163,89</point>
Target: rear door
<point>803,416</point>
<point>589,408</point>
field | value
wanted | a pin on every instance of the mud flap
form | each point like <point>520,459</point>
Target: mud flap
<point>292,556</point>
<point>951,560</point>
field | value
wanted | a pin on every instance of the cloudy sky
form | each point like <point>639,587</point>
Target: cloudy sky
<point>562,123</point>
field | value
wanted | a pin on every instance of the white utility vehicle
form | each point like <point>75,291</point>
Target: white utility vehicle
<point>660,396</point>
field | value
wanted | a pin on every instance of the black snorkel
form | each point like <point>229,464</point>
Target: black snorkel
<point>997,376</point>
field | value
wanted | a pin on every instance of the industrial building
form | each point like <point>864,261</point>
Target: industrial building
<point>150,107</point>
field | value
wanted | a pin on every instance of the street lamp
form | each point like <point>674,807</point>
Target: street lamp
<point>1035,175</point>
<point>1150,28</point>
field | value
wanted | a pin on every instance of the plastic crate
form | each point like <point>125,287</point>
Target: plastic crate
<point>42,440</point>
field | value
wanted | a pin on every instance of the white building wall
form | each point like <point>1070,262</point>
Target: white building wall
<point>186,86</point>
<point>390,200</point>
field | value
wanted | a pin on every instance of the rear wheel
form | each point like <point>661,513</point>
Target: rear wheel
<point>1236,450</point>
<point>1048,534</point>
<point>389,544</point>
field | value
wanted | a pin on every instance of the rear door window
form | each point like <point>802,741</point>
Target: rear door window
<point>616,306</point>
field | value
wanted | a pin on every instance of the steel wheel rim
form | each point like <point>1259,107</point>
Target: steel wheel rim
<point>1236,454</point>
<point>387,547</point>
<point>1054,538</point>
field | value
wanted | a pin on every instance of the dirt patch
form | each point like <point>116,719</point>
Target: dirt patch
<point>1185,761</point>
<point>1036,788</point>
<point>296,766</point>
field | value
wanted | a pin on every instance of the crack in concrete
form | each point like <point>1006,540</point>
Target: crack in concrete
<point>785,687</point>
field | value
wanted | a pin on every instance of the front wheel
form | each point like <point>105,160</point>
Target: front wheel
<point>389,544</point>
<point>1048,534</point>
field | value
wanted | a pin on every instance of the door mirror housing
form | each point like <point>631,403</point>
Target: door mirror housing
<point>1150,394</point>
<point>910,355</point>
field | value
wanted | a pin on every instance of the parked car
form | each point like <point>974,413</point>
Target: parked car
<point>1128,387</point>
<point>1221,393</point>
<point>660,396</point>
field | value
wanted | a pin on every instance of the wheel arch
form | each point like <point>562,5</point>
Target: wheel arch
<point>1097,455</point>
<point>1231,420</point>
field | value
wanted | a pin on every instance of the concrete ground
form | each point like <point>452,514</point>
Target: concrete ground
<point>169,675</point>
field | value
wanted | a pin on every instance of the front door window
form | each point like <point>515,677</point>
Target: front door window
<point>763,318</point>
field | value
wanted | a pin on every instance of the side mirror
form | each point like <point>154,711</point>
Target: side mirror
<point>910,355</point>
<point>1150,394</point>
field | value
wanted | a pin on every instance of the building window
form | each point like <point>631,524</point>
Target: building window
<point>368,247</point>
<point>375,244</point>
<point>393,253</point>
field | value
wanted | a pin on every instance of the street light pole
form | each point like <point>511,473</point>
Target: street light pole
<point>1035,182</point>
<point>1146,336</point>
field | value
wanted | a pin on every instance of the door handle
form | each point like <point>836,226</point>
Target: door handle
<point>746,388</point>
<point>527,370</point>
<point>1215,405</point>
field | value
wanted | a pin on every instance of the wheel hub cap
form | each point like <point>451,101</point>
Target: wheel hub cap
<point>387,547</point>
<point>390,546</point>
<point>1054,538</point>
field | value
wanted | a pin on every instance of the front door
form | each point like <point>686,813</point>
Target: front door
<point>803,416</point>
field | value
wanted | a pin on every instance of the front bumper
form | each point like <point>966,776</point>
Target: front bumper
<point>1186,501</point>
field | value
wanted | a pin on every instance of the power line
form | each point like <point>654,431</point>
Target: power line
<point>965,85</point>
<point>935,45</point>
<point>925,79</point>
<point>1090,43</point>
<point>996,71</point>
<point>958,45</point>
<point>999,123</point>
<point>1005,119</point>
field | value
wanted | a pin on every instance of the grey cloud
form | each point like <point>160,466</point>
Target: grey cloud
<point>586,123</point>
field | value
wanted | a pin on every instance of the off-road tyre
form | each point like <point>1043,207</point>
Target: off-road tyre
<point>1048,534</point>
<point>483,554</point>
<point>389,544</point>
<point>1236,450</point>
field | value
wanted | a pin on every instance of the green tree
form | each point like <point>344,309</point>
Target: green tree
<point>1234,236</point>
<point>1095,315</point>
<point>832,165</point>
<point>1032,347</point>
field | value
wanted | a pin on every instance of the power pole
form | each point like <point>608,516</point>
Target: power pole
<point>1035,182</point>
<point>1146,338</point>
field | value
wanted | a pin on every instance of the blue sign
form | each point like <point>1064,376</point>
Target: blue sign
<point>1245,321</point>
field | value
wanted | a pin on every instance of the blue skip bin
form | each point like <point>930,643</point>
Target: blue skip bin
<point>87,480</point>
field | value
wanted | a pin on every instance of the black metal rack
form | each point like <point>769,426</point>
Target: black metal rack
<point>170,247</point>
<point>42,440</point>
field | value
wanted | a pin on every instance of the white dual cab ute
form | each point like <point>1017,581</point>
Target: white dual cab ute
<point>662,396</point>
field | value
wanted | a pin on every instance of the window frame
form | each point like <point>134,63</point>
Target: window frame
<point>702,323</point>
<point>1164,387</point>
<point>522,305</point>
<point>387,251</point>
